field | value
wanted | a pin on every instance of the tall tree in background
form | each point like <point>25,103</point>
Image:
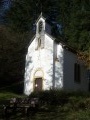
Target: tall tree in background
<point>78,28</point>
<point>12,55</point>
<point>73,15</point>
<point>23,13</point>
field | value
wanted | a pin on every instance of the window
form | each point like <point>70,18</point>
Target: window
<point>39,42</point>
<point>55,53</point>
<point>40,26</point>
<point>77,73</point>
<point>88,74</point>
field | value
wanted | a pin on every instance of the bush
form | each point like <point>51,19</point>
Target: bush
<point>53,97</point>
<point>75,100</point>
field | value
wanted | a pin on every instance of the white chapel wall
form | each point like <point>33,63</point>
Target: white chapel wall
<point>39,59</point>
<point>29,66</point>
<point>59,68</point>
<point>68,69</point>
<point>48,62</point>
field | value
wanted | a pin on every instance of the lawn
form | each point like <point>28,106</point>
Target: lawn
<point>59,106</point>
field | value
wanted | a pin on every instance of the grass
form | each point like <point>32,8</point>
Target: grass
<point>14,90</point>
<point>8,92</point>
<point>76,107</point>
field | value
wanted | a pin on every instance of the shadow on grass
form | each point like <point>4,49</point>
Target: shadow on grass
<point>13,88</point>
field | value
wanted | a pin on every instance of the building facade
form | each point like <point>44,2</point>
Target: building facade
<point>51,65</point>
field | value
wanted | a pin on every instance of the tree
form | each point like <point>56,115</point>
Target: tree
<point>12,55</point>
<point>78,31</point>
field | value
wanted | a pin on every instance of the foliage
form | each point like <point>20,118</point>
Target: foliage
<point>76,108</point>
<point>58,97</point>
<point>46,96</point>
<point>12,55</point>
<point>73,15</point>
<point>14,88</point>
<point>85,57</point>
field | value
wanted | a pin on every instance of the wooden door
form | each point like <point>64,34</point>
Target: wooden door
<point>38,84</point>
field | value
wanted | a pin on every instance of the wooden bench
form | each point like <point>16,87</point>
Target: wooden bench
<point>24,106</point>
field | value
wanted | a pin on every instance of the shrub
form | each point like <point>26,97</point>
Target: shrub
<point>54,97</point>
<point>75,100</point>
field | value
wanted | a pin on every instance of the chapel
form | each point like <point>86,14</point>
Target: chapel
<point>52,65</point>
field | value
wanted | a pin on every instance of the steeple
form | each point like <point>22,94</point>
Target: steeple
<point>40,32</point>
<point>42,23</point>
<point>40,16</point>
<point>42,27</point>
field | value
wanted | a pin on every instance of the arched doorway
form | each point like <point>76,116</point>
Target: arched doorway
<point>38,80</point>
<point>38,84</point>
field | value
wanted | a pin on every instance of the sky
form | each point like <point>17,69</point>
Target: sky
<point>5,5</point>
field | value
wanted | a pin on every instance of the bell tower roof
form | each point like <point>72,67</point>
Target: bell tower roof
<point>40,16</point>
<point>42,26</point>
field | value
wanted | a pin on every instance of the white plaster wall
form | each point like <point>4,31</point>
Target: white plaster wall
<point>68,70</point>
<point>39,59</point>
<point>48,62</point>
<point>29,66</point>
<point>69,60</point>
<point>59,68</point>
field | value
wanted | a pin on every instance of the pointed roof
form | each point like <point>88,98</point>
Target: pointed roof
<point>40,16</point>
<point>63,43</point>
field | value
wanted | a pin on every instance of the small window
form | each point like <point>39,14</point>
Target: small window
<point>39,42</point>
<point>77,73</point>
<point>56,54</point>
<point>88,74</point>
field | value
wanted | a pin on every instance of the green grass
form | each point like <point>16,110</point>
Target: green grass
<point>13,88</point>
<point>76,107</point>
<point>8,92</point>
<point>7,95</point>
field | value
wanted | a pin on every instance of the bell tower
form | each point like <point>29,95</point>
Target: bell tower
<point>40,32</point>
<point>42,27</point>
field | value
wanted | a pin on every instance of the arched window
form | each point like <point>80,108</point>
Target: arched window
<point>40,26</point>
<point>39,42</point>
